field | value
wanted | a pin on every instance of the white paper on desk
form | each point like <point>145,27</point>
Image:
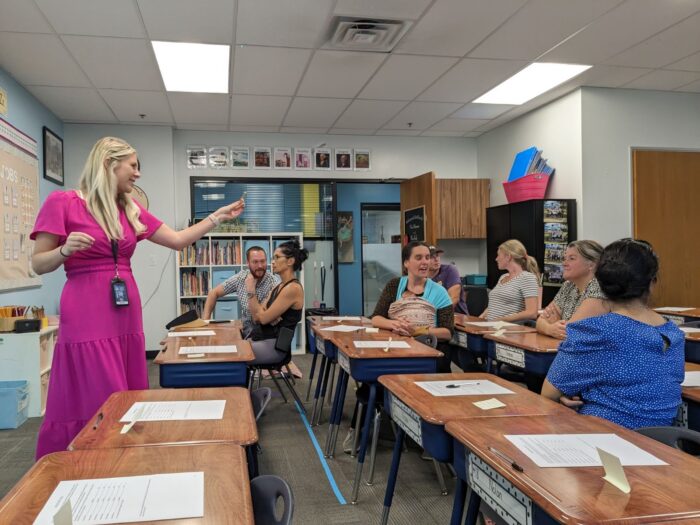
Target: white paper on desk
<point>341,328</point>
<point>691,379</point>
<point>193,333</point>
<point>381,344</point>
<point>176,410</point>
<point>689,329</point>
<point>497,325</point>
<point>340,318</point>
<point>675,308</point>
<point>223,349</point>
<point>463,387</point>
<point>579,450</point>
<point>128,499</point>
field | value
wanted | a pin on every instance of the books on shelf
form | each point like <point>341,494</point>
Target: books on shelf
<point>226,252</point>
<point>194,282</point>
<point>195,255</point>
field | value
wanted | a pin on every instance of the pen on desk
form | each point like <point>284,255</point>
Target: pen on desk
<point>454,385</point>
<point>98,420</point>
<point>507,459</point>
<point>388,345</point>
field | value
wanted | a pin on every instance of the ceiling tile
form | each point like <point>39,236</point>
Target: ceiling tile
<point>116,63</point>
<point>454,27</point>
<point>539,26</point>
<point>338,73</point>
<point>310,131</point>
<point>199,108</point>
<point>403,77</point>
<point>399,132</point>
<point>459,124</point>
<point>129,105</point>
<point>626,25</point>
<point>693,87</point>
<point>664,80</point>
<point>93,17</point>
<point>22,16</point>
<point>691,63</point>
<point>434,133</point>
<point>254,110</point>
<point>255,129</point>
<point>43,60</point>
<point>391,9</point>
<point>471,78</point>
<point>365,114</point>
<point>665,48</point>
<point>202,127</point>
<point>268,70</point>
<point>610,76</point>
<point>342,131</point>
<point>298,23</point>
<point>314,112</point>
<point>421,115</point>
<point>483,111</point>
<point>203,21</point>
<point>473,134</point>
<point>74,104</point>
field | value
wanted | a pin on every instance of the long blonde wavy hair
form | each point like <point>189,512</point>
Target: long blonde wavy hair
<point>99,187</point>
<point>517,251</point>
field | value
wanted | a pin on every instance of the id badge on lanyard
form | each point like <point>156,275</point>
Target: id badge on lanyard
<point>119,293</point>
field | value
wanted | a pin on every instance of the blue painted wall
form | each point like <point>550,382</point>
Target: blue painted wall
<point>29,116</point>
<point>349,198</point>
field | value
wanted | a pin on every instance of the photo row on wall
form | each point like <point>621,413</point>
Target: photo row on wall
<point>279,158</point>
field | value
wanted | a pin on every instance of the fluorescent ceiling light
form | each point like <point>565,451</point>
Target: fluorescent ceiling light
<point>532,81</point>
<point>195,68</point>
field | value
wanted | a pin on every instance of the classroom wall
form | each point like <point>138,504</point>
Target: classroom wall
<point>615,121</point>
<point>29,116</point>
<point>153,266</point>
<point>556,130</point>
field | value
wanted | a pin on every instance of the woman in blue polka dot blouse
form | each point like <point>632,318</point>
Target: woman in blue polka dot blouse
<point>626,366</point>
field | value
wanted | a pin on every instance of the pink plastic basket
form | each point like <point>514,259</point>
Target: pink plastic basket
<point>531,186</point>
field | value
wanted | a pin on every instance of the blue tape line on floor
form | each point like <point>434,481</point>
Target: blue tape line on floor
<point>324,463</point>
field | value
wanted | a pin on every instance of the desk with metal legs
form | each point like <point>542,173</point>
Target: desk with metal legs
<point>690,409</point>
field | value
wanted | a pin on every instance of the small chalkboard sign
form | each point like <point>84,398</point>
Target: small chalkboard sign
<point>414,224</point>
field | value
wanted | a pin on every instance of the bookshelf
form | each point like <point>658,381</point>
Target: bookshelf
<point>214,258</point>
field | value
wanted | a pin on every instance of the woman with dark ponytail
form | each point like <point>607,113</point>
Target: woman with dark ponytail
<point>627,365</point>
<point>282,308</point>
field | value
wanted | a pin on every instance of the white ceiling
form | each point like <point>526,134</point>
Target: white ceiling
<point>91,60</point>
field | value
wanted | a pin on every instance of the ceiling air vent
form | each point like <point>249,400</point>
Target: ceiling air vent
<point>356,34</point>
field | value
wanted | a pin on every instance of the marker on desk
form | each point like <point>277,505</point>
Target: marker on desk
<point>388,345</point>
<point>507,459</point>
<point>98,420</point>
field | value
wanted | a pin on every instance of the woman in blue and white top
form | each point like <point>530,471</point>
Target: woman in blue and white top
<point>516,296</point>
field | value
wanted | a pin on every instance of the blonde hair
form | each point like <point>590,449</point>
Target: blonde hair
<point>99,187</point>
<point>517,251</point>
<point>589,250</point>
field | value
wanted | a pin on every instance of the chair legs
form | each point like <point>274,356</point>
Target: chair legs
<point>441,479</point>
<point>278,387</point>
<point>373,451</point>
<point>293,392</point>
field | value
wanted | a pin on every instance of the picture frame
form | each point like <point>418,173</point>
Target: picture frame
<point>218,157</point>
<point>343,159</point>
<point>53,157</point>
<point>302,159</point>
<point>362,160</point>
<point>262,156</point>
<point>240,157</point>
<point>322,159</point>
<point>283,158</point>
<point>196,157</point>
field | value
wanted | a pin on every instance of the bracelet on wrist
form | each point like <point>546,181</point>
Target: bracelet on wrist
<point>214,219</point>
<point>60,250</point>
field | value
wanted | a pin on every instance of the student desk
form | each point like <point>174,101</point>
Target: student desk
<point>471,337</point>
<point>686,316</point>
<point>692,347</point>
<point>423,416</point>
<point>690,409</point>
<point>180,371</point>
<point>570,495</point>
<point>367,365</point>
<point>226,485</point>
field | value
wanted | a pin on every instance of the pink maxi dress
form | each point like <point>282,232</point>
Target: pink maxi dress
<point>100,347</point>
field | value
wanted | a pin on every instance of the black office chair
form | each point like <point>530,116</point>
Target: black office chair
<point>676,437</point>
<point>265,491</point>
<point>477,298</point>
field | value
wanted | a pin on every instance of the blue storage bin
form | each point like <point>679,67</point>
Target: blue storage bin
<point>476,279</point>
<point>14,403</point>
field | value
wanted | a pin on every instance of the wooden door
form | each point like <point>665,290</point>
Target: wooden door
<point>666,211</point>
<point>417,192</point>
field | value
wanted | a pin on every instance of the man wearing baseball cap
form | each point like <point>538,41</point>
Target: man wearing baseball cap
<point>446,275</point>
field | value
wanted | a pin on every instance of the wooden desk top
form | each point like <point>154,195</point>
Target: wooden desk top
<point>695,312</point>
<point>344,341</point>
<point>226,334</point>
<point>692,393</point>
<point>318,320</point>
<point>461,324</point>
<point>694,336</point>
<point>226,486</point>
<point>439,410</point>
<point>531,341</point>
<point>317,327</point>
<point>237,426</point>
<point>581,495</point>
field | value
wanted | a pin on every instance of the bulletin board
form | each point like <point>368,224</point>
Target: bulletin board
<point>19,200</point>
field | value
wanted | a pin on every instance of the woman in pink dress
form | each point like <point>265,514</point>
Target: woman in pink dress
<point>101,346</point>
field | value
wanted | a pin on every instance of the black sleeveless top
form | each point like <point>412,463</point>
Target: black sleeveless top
<point>289,318</point>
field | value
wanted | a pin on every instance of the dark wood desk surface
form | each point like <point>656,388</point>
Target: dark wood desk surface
<point>441,409</point>
<point>226,483</point>
<point>226,334</point>
<point>237,426</point>
<point>692,393</point>
<point>531,341</point>
<point>462,324</point>
<point>581,495</point>
<point>344,341</point>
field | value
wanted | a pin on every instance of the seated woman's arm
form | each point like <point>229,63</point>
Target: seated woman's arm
<point>551,392</point>
<point>550,322</point>
<point>530,312</point>
<point>290,296</point>
<point>445,324</point>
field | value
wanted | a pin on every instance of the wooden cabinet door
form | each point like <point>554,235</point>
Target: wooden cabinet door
<point>461,208</point>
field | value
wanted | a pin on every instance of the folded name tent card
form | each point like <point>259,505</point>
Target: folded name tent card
<point>176,410</point>
<point>221,349</point>
<point>193,333</point>
<point>463,387</point>
<point>381,344</point>
<point>691,379</point>
<point>489,404</point>
<point>614,473</point>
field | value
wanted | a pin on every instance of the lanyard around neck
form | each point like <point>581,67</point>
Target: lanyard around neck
<point>115,251</point>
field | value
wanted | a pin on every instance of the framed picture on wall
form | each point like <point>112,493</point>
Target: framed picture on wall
<point>322,159</point>
<point>218,157</point>
<point>262,157</point>
<point>346,251</point>
<point>240,157</point>
<point>343,159</point>
<point>362,160</point>
<point>283,158</point>
<point>53,157</point>
<point>196,157</point>
<point>302,158</point>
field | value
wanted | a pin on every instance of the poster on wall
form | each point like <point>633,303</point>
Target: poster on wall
<point>19,186</point>
<point>556,236</point>
<point>346,251</point>
<point>414,224</point>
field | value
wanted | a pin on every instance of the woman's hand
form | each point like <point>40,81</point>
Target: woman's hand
<point>401,327</point>
<point>75,242</point>
<point>231,211</point>
<point>573,402</point>
<point>558,329</point>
